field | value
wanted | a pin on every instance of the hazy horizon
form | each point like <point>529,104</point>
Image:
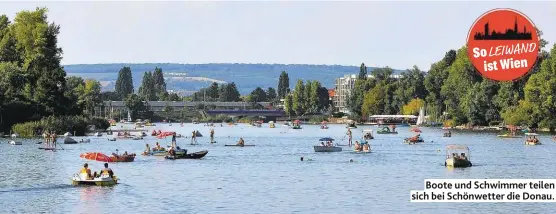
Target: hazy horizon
<point>394,34</point>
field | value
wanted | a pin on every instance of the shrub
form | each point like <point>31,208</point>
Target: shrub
<point>60,125</point>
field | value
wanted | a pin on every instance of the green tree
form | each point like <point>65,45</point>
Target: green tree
<point>90,95</point>
<point>168,109</point>
<point>434,81</point>
<point>147,90</point>
<point>308,93</point>
<point>288,105</point>
<point>461,77</point>
<point>135,105</point>
<point>362,72</point>
<point>233,93</point>
<point>413,107</point>
<point>271,94</point>
<point>299,98</point>
<point>124,83</point>
<point>212,91</point>
<point>159,83</point>
<point>257,95</point>
<point>323,99</point>
<point>374,100</point>
<point>283,85</point>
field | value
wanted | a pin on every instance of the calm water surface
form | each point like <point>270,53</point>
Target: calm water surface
<point>269,177</point>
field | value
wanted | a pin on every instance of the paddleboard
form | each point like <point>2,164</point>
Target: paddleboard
<point>47,148</point>
<point>239,145</point>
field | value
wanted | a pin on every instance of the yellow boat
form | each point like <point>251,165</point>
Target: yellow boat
<point>103,180</point>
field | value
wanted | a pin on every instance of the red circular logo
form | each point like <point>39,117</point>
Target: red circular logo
<point>503,44</point>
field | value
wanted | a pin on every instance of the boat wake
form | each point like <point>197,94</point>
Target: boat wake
<point>53,187</point>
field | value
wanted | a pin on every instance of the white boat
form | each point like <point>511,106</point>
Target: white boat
<point>531,139</point>
<point>67,134</point>
<point>457,156</point>
<point>327,148</point>
<point>421,118</point>
<point>103,180</point>
<point>15,135</point>
<point>13,142</point>
<point>112,139</point>
<point>98,134</point>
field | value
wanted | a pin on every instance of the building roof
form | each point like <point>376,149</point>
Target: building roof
<point>331,92</point>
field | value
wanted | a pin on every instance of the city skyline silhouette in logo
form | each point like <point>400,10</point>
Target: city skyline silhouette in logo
<point>510,34</point>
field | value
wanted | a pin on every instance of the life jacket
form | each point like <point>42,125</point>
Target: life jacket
<point>83,170</point>
<point>106,171</point>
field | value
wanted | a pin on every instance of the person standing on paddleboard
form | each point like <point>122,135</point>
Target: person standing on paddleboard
<point>174,140</point>
<point>349,136</point>
<point>212,135</point>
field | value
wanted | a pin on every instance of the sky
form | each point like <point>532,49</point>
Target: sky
<point>395,34</point>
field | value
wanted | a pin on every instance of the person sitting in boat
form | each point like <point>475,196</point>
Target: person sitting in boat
<point>86,172</point>
<point>241,142</point>
<point>366,147</point>
<point>125,153</point>
<point>393,128</point>
<point>171,152</point>
<point>462,156</point>
<point>357,146</point>
<point>157,147</point>
<point>415,138</point>
<point>322,144</point>
<point>105,171</point>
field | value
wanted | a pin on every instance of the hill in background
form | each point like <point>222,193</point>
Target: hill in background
<point>188,78</point>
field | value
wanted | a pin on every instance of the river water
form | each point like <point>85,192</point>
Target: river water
<point>269,177</point>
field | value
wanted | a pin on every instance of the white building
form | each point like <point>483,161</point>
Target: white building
<point>343,87</point>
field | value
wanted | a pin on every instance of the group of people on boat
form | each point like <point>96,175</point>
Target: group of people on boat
<point>155,133</point>
<point>368,136</point>
<point>49,139</point>
<point>328,144</point>
<point>532,139</point>
<point>362,147</point>
<point>414,138</point>
<point>86,172</point>
<point>459,156</point>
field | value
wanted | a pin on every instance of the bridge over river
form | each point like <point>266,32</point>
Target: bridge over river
<point>267,114</point>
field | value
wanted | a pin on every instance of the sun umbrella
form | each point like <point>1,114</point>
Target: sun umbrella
<point>326,139</point>
<point>96,156</point>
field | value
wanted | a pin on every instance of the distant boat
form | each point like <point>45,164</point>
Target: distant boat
<point>421,118</point>
<point>67,134</point>
<point>13,142</point>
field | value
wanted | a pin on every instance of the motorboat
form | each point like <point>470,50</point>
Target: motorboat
<point>103,180</point>
<point>457,156</point>
<point>112,139</point>
<point>98,134</point>
<point>327,147</point>
<point>15,135</point>
<point>123,158</point>
<point>531,139</point>
<point>185,155</point>
<point>13,142</point>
